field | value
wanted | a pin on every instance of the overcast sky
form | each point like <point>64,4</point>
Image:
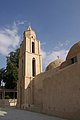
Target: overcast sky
<point>56,23</point>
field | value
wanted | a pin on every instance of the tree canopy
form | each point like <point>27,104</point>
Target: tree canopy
<point>10,74</point>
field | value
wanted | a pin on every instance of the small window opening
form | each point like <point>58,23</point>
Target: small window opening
<point>73,60</point>
<point>33,47</point>
<point>33,67</point>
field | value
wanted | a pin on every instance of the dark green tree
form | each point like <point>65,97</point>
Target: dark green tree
<point>12,70</point>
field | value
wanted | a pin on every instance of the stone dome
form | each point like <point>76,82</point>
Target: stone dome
<point>54,64</point>
<point>75,49</point>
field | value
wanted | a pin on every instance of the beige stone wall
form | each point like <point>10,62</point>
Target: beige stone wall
<point>78,56</point>
<point>38,85</point>
<point>61,92</point>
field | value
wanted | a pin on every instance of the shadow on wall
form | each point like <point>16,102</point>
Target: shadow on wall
<point>34,95</point>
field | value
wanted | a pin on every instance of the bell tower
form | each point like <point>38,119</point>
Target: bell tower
<point>30,64</point>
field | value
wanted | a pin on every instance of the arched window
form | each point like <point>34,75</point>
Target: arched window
<point>33,67</point>
<point>33,47</point>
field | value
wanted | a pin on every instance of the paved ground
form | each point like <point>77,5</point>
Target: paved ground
<point>7,113</point>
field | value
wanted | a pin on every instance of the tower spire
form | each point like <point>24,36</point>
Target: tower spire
<point>29,28</point>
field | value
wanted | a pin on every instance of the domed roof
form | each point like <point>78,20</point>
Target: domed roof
<point>75,49</point>
<point>54,64</point>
